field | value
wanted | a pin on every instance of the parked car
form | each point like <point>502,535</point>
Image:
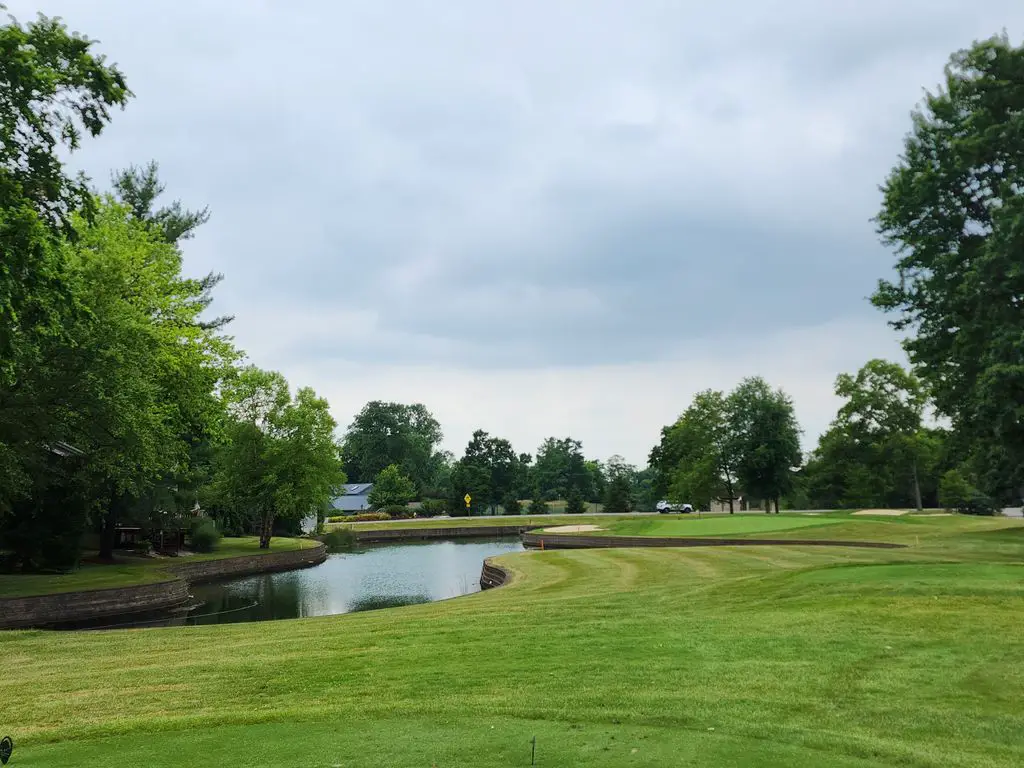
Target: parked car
<point>667,508</point>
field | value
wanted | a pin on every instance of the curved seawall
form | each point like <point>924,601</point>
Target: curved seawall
<point>41,610</point>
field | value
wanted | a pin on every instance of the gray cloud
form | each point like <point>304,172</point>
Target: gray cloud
<point>522,186</point>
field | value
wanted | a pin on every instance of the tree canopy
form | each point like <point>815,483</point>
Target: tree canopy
<point>384,433</point>
<point>954,212</point>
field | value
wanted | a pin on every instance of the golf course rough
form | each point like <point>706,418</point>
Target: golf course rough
<point>730,656</point>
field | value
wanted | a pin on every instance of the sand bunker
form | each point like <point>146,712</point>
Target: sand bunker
<point>573,529</point>
<point>884,512</point>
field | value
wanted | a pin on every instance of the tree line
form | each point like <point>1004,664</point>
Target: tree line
<point>121,400</point>
<point>396,447</point>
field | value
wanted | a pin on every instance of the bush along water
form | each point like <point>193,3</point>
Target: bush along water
<point>203,535</point>
<point>340,540</point>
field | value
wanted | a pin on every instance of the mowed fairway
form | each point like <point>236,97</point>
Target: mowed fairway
<point>715,525</point>
<point>752,656</point>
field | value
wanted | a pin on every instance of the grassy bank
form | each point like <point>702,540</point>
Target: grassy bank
<point>539,521</point>
<point>715,525</point>
<point>774,656</point>
<point>127,571</point>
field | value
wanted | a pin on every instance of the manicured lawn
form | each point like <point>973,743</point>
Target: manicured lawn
<point>541,521</point>
<point>133,570</point>
<point>745,656</point>
<point>714,525</point>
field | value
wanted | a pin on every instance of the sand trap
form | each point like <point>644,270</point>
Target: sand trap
<point>883,512</point>
<point>573,529</point>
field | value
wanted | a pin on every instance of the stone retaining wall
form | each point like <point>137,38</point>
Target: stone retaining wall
<point>211,570</point>
<point>575,541</point>
<point>464,532</point>
<point>40,610</point>
<point>95,603</point>
<point>492,575</point>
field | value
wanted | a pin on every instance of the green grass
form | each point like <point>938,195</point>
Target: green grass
<point>745,656</point>
<point>713,525</point>
<point>128,571</point>
<point>541,521</point>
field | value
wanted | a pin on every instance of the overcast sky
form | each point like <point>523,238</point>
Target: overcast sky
<point>541,217</point>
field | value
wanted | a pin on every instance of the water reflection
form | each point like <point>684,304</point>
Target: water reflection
<point>383,576</point>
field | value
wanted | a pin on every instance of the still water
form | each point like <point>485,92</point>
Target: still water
<point>373,577</point>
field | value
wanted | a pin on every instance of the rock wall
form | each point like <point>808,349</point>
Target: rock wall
<point>466,532</point>
<point>95,603</point>
<point>41,610</point>
<point>492,575</point>
<point>212,570</point>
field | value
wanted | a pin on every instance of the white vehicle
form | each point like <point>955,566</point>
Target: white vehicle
<point>667,508</point>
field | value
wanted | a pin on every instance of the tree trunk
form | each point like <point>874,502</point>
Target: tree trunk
<point>728,488</point>
<point>776,505</point>
<point>917,487</point>
<point>108,532</point>
<point>266,530</point>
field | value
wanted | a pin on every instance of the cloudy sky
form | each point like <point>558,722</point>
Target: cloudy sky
<point>541,217</point>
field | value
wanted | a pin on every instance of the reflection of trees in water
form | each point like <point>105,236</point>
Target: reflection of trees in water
<point>262,598</point>
<point>374,602</point>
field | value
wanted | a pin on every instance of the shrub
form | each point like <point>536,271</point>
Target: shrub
<point>574,504</point>
<point>432,508</point>
<point>957,494</point>
<point>512,505</point>
<point>399,512</point>
<point>538,507</point>
<point>391,489</point>
<point>362,517</point>
<point>204,535</point>
<point>340,540</point>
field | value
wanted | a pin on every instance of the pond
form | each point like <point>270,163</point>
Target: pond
<point>381,576</point>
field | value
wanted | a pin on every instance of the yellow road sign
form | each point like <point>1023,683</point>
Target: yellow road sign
<point>468,499</point>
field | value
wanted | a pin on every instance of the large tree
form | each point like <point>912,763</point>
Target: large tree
<point>560,469</point>
<point>280,458</point>
<point>765,439</point>
<point>490,471</point>
<point>384,433</point>
<point>694,462</point>
<point>129,380</point>
<point>53,88</point>
<point>618,492</point>
<point>139,188</point>
<point>954,212</point>
<point>884,408</point>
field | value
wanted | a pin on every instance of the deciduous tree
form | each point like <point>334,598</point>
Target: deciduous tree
<point>954,212</point>
<point>383,434</point>
<point>391,489</point>
<point>765,439</point>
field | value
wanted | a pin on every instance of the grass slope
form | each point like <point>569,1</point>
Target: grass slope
<point>717,525</point>
<point>774,656</point>
<point>129,571</point>
<point>475,522</point>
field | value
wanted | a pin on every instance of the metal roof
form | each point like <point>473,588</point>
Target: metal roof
<point>356,489</point>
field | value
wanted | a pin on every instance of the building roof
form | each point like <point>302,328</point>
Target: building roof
<point>63,449</point>
<point>356,489</point>
<point>353,497</point>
